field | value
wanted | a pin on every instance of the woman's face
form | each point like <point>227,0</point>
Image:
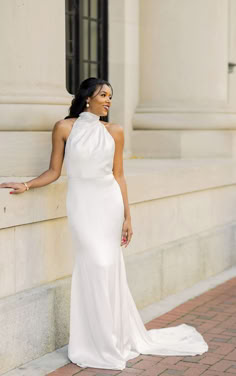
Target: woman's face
<point>100,102</point>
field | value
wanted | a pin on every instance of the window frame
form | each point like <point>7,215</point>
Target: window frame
<point>75,15</point>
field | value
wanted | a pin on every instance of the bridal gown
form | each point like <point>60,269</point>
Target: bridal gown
<point>106,329</point>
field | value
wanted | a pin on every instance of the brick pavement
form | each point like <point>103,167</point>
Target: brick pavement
<point>213,314</point>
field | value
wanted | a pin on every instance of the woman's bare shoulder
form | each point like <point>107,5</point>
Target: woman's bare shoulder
<point>64,123</point>
<point>63,127</point>
<point>116,130</point>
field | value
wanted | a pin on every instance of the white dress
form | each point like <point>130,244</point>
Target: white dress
<point>106,329</point>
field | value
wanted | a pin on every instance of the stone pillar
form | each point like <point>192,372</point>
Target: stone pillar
<point>33,93</point>
<point>184,79</point>
<point>184,53</point>
<point>124,63</point>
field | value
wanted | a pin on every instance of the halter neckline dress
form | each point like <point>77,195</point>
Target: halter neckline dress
<point>106,329</point>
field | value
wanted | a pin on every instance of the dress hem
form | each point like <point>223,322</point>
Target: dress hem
<point>84,365</point>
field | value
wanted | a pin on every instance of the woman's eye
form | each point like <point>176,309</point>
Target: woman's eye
<point>103,95</point>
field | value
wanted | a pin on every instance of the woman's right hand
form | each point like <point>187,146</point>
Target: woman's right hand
<point>18,187</point>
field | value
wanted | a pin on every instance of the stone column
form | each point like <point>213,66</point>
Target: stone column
<point>124,63</point>
<point>33,93</point>
<point>184,79</point>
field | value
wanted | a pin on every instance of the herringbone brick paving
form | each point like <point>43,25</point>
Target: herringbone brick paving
<point>213,314</point>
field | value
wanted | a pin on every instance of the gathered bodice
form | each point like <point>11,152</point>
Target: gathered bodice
<point>90,148</point>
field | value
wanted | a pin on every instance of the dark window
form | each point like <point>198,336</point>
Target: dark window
<point>86,41</point>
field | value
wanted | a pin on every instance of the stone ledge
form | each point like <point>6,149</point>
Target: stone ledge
<point>150,179</point>
<point>147,179</point>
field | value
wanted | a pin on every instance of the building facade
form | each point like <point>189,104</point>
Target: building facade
<point>171,64</point>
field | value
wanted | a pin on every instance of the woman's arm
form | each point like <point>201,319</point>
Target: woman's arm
<point>118,172</point>
<point>56,161</point>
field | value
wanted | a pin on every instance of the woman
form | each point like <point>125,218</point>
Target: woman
<point>105,327</point>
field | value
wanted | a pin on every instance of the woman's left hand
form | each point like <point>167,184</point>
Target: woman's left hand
<point>127,232</point>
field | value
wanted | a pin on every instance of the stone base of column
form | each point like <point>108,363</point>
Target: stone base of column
<point>184,143</point>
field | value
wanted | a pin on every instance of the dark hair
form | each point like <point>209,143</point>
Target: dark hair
<point>86,89</point>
